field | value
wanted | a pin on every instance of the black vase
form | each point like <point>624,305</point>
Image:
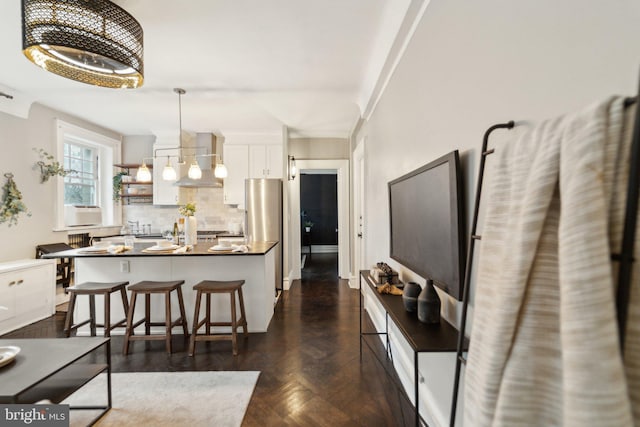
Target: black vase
<point>429,304</point>
<point>410,296</point>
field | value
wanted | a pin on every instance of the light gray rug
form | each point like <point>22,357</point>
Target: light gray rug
<point>212,398</point>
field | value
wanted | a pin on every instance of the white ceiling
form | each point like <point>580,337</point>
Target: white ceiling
<point>247,66</point>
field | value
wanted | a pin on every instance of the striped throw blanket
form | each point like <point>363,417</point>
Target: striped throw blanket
<point>544,343</point>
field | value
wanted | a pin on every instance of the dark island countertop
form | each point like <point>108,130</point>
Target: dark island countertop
<point>201,249</point>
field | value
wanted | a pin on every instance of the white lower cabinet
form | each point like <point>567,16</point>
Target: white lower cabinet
<point>27,292</point>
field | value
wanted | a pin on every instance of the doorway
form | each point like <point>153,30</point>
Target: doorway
<point>294,238</point>
<point>318,216</point>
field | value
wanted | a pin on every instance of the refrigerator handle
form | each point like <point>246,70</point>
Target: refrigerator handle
<point>245,232</point>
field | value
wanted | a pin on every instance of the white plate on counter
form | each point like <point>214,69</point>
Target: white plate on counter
<point>162,248</point>
<point>8,353</point>
<point>90,250</point>
<point>219,248</point>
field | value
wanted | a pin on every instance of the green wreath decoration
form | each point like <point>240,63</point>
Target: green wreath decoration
<point>12,204</point>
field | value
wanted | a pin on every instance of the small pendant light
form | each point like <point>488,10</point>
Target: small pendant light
<point>169,173</point>
<point>143,174</point>
<point>194,170</point>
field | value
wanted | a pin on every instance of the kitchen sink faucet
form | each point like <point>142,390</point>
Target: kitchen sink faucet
<point>134,226</point>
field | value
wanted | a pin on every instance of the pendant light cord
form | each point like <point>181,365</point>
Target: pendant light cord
<point>180,92</point>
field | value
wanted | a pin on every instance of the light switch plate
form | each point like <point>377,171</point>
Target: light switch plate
<point>124,266</point>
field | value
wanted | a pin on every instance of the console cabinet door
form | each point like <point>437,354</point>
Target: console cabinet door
<point>28,293</point>
<point>7,297</point>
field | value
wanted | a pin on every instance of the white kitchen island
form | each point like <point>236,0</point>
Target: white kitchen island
<point>256,267</point>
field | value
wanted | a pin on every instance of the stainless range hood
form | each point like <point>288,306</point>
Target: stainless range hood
<point>205,149</point>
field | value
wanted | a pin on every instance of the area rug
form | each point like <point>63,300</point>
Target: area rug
<point>209,398</point>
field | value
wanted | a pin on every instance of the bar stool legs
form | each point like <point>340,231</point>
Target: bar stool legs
<point>206,288</point>
<point>92,289</point>
<point>147,288</point>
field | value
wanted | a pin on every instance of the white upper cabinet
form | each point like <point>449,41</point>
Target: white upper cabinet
<point>250,156</point>
<point>164,192</point>
<point>265,161</point>
<point>236,159</point>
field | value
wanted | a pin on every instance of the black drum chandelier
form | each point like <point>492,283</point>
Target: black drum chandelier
<point>91,41</point>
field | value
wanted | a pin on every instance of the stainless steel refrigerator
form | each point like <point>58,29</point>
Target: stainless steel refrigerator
<point>263,222</point>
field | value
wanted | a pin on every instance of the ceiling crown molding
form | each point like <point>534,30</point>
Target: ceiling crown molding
<point>14,103</point>
<point>370,96</point>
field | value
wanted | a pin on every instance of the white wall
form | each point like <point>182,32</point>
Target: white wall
<point>319,148</point>
<point>472,64</point>
<point>18,137</point>
<point>137,147</point>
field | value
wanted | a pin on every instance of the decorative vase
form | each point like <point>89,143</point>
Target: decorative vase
<point>429,304</point>
<point>190,230</point>
<point>410,296</point>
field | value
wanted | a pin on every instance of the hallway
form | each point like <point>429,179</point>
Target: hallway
<point>311,374</point>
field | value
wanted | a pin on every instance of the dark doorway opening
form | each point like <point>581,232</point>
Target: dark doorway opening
<point>319,216</point>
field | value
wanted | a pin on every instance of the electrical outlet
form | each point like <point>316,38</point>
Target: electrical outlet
<point>124,266</point>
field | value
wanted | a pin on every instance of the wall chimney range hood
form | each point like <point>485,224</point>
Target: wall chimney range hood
<point>205,151</point>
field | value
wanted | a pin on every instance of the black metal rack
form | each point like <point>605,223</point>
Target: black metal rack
<point>625,257</point>
<point>470,251</point>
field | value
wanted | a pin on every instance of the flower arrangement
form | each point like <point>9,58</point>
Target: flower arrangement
<point>187,210</point>
<point>49,166</point>
<point>12,204</point>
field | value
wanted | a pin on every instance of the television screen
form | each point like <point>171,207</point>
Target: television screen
<point>427,223</point>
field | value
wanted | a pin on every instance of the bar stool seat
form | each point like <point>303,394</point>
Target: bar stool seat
<point>207,288</point>
<point>92,289</point>
<point>147,288</point>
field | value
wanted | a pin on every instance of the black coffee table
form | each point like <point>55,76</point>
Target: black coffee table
<point>53,369</point>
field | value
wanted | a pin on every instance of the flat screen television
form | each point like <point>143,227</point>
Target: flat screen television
<point>427,223</point>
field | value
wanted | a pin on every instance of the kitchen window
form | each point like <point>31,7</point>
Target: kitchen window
<point>81,187</point>
<point>92,155</point>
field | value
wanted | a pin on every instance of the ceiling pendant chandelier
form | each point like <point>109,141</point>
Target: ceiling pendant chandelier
<point>94,42</point>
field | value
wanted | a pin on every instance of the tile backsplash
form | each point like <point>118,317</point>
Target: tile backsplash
<point>211,212</point>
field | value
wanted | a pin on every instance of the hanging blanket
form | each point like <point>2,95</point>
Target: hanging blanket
<point>544,345</point>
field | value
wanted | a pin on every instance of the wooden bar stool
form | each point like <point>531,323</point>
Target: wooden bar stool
<point>92,289</point>
<point>147,288</point>
<point>208,287</point>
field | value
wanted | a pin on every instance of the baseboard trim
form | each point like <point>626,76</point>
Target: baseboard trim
<point>320,249</point>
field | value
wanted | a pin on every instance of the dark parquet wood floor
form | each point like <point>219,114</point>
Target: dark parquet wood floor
<point>311,371</point>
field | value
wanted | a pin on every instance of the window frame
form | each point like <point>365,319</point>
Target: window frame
<point>84,178</point>
<point>109,153</point>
